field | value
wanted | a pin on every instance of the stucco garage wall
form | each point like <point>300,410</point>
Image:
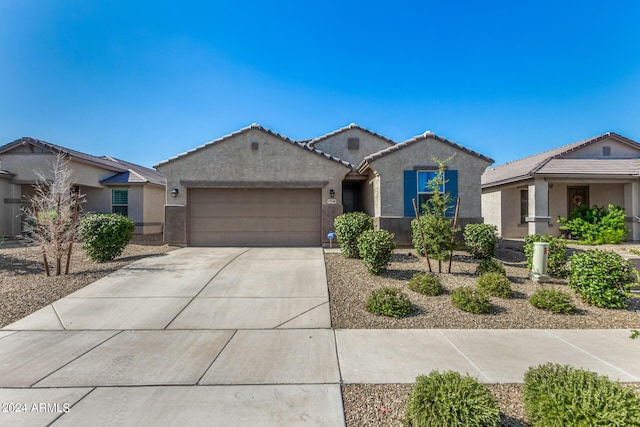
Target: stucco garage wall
<point>234,163</point>
<point>153,217</point>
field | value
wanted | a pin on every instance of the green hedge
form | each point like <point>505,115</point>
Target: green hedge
<point>557,262</point>
<point>481,240</point>
<point>348,228</point>
<point>104,236</point>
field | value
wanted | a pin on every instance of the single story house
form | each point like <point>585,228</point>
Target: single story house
<point>110,185</point>
<point>527,196</point>
<point>258,187</point>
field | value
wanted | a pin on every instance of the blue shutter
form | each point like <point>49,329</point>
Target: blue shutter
<point>451,186</point>
<point>410,192</point>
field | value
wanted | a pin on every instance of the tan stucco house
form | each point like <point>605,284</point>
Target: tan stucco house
<point>110,185</point>
<point>527,196</point>
<point>258,187</point>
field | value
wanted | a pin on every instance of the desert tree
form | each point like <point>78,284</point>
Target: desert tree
<point>51,214</point>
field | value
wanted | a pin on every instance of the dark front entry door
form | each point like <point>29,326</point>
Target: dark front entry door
<point>351,200</point>
<point>577,196</point>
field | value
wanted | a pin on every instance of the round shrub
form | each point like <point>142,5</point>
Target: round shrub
<point>557,254</point>
<point>425,283</point>
<point>490,265</point>
<point>375,248</point>
<point>390,302</point>
<point>348,228</point>
<point>601,278</point>
<point>556,395</point>
<point>495,284</point>
<point>471,299</point>
<point>481,240</point>
<point>450,399</point>
<point>552,300</point>
<point>104,236</point>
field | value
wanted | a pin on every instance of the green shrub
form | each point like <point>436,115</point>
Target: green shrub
<point>390,302</point>
<point>104,236</point>
<point>425,283</point>
<point>471,299</point>
<point>348,228</point>
<point>556,395</point>
<point>481,240</point>
<point>450,399</point>
<point>375,248</point>
<point>490,265</point>
<point>601,278</point>
<point>495,284</point>
<point>596,226</point>
<point>552,300</point>
<point>557,254</point>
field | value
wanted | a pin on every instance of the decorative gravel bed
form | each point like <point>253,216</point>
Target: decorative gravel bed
<point>350,285</point>
<point>24,288</point>
<point>384,404</point>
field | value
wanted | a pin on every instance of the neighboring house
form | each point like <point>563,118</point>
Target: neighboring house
<point>109,185</point>
<point>257,187</point>
<point>528,195</point>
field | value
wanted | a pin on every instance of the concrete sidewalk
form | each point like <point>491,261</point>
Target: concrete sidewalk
<point>240,336</point>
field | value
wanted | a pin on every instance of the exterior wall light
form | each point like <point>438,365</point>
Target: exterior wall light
<point>174,192</point>
<point>332,193</point>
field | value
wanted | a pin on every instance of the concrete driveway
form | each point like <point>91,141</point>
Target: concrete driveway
<point>198,336</point>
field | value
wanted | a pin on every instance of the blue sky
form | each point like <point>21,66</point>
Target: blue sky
<point>145,80</point>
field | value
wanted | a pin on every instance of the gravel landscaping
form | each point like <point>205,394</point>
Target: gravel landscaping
<point>350,285</point>
<point>384,404</point>
<point>24,288</point>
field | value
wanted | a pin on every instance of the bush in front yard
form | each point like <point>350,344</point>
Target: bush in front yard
<point>557,395</point>
<point>552,300</point>
<point>472,300</point>
<point>557,254</point>
<point>390,302</point>
<point>104,236</point>
<point>495,284</point>
<point>450,399</point>
<point>375,248</point>
<point>426,284</point>
<point>481,240</point>
<point>490,265</point>
<point>348,228</point>
<point>601,278</point>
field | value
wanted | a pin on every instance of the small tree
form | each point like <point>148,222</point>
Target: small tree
<point>437,225</point>
<point>52,217</point>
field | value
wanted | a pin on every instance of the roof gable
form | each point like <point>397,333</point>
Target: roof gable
<point>255,126</point>
<point>416,139</point>
<point>314,141</point>
<point>526,167</point>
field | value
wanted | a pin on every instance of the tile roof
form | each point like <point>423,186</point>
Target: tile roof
<point>299,144</point>
<point>630,167</point>
<point>344,129</point>
<point>525,168</point>
<point>132,172</point>
<point>414,140</point>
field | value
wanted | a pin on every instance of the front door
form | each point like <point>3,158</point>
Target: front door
<point>577,196</point>
<point>351,196</point>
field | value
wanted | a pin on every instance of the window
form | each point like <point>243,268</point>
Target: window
<point>424,192</point>
<point>413,187</point>
<point>120,202</point>
<point>524,206</point>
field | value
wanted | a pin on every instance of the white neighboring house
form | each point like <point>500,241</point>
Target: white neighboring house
<point>110,185</point>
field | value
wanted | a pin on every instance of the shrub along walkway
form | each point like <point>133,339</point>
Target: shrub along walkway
<point>240,336</point>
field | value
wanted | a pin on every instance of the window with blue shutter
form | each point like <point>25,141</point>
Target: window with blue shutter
<point>416,187</point>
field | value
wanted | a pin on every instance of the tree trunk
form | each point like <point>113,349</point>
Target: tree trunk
<point>58,266</point>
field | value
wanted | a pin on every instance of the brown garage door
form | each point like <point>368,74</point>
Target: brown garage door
<point>254,217</point>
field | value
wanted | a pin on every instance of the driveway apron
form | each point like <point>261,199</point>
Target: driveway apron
<point>197,336</point>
